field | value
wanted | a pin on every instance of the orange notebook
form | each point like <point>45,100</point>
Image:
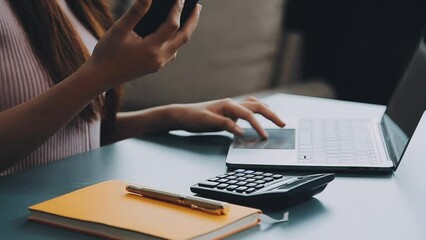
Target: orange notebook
<point>107,210</point>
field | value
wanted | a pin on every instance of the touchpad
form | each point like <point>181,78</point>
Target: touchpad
<point>278,139</point>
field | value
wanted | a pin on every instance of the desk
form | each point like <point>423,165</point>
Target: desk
<point>351,207</point>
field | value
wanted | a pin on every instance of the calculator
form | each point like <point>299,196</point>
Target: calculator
<point>256,188</point>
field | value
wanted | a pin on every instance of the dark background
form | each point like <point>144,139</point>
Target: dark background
<point>361,47</point>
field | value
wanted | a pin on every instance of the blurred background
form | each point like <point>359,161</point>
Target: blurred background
<point>345,49</point>
<point>360,47</point>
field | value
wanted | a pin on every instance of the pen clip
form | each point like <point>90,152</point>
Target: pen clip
<point>219,211</point>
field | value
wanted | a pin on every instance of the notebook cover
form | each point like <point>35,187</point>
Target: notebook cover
<point>108,203</point>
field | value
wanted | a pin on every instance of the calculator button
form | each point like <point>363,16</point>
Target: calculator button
<point>277,176</point>
<point>259,186</point>
<point>213,179</point>
<point>231,187</point>
<point>230,173</point>
<point>241,178</point>
<point>257,173</point>
<point>260,181</point>
<point>222,176</point>
<point>250,190</point>
<point>208,184</point>
<point>231,177</point>
<point>241,183</point>
<point>267,174</point>
<point>258,177</point>
<point>241,189</point>
<point>248,172</point>
<point>239,170</point>
<point>240,174</point>
<point>231,182</point>
<point>268,179</point>
<point>249,175</point>
<point>222,186</point>
<point>251,185</point>
<point>222,180</point>
<point>250,180</point>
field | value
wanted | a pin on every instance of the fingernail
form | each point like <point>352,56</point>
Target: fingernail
<point>239,130</point>
<point>183,2</point>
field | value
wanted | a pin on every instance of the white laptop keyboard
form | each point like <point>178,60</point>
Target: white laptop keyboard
<point>336,142</point>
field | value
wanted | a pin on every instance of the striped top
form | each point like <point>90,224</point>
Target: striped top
<point>22,77</point>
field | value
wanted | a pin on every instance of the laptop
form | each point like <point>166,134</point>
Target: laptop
<point>344,143</point>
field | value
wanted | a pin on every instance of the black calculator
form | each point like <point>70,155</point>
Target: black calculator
<point>256,188</point>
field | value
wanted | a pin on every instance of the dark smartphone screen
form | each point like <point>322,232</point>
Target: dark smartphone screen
<point>158,13</point>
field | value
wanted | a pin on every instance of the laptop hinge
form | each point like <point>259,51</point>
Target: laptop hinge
<point>390,152</point>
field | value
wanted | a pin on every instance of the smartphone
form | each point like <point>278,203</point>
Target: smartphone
<point>159,12</point>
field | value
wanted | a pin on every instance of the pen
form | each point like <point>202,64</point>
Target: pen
<point>198,203</point>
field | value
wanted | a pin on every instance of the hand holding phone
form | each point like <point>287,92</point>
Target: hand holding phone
<point>122,56</point>
<point>158,14</point>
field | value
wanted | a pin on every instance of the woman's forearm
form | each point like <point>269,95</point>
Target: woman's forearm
<point>25,127</point>
<point>137,123</point>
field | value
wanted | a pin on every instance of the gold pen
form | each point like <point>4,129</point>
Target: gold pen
<point>198,203</point>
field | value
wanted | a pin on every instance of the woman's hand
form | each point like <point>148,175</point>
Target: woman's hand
<point>121,55</point>
<point>197,117</point>
<point>222,115</point>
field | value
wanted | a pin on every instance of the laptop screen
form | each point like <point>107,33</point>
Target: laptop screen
<point>406,106</point>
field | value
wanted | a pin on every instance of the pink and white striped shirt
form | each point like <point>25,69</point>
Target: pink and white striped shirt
<point>22,77</point>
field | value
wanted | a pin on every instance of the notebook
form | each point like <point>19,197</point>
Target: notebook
<point>349,144</point>
<point>107,210</point>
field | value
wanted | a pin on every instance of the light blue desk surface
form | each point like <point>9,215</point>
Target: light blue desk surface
<point>351,207</point>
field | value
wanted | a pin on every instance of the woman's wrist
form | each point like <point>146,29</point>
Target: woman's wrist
<point>162,119</point>
<point>153,120</point>
<point>175,113</point>
<point>100,79</point>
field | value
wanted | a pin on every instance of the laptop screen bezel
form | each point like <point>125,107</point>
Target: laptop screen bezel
<point>386,137</point>
<point>411,74</point>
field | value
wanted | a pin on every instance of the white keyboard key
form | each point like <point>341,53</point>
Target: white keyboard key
<point>333,160</point>
<point>319,158</point>
<point>304,124</point>
<point>305,137</point>
<point>363,159</point>
<point>348,160</point>
<point>304,146</point>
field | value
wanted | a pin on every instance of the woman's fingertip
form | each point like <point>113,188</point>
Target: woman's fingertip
<point>200,7</point>
<point>238,130</point>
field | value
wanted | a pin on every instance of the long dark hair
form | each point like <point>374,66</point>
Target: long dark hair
<point>60,49</point>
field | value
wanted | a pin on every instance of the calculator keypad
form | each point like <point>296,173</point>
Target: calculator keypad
<point>242,181</point>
